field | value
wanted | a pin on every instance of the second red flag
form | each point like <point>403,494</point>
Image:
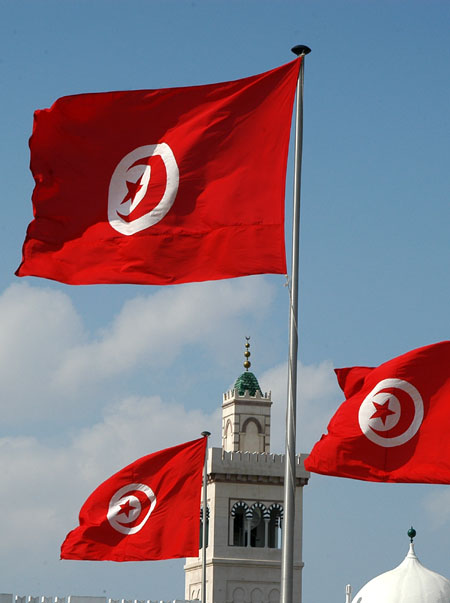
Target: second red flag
<point>148,510</point>
<point>394,425</point>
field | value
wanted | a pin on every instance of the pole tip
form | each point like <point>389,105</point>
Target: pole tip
<point>206,434</point>
<point>301,50</point>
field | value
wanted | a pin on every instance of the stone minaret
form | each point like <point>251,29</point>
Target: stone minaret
<point>245,505</point>
<point>246,414</point>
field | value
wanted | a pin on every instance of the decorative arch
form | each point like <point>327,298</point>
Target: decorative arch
<point>240,512</point>
<point>274,596</point>
<point>275,526</point>
<point>256,596</point>
<point>238,595</point>
<point>251,432</point>
<point>228,436</point>
<point>238,506</point>
<point>207,513</point>
<point>276,508</point>
<point>258,524</point>
<point>252,420</point>
<point>265,512</point>
<point>201,526</point>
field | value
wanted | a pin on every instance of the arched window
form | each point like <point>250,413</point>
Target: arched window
<point>275,526</point>
<point>228,443</point>
<point>201,527</point>
<point>250,437</point>
<point>239,514</point>
<point>258,520</point>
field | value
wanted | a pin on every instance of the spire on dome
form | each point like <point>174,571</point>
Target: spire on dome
<point>411,553</point>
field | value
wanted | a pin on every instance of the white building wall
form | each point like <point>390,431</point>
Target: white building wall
<point>243,574</point>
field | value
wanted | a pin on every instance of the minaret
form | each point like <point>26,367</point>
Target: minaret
<point>245,504</point>
<point>246,413</point>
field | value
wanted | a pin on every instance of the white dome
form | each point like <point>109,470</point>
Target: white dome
<point>410,582</point>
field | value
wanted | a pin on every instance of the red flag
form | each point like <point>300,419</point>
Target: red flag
<point>394,425</point>
<point>148,510</point>
<point>162,186</point>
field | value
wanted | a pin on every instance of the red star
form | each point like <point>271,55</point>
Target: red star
<point>382,411</point>
<point>133,189</point>
<point>126,508</point>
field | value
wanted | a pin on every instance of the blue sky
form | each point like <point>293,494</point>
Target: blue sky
<point>93,377</point>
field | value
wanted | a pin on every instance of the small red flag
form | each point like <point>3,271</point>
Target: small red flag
<point>394,425</point>
<point>162,186</point>
<point>148,510</point>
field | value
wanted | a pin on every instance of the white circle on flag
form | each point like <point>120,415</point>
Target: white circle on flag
<point>381,413</point>
<point>129,185</point>
<point>125,508</point>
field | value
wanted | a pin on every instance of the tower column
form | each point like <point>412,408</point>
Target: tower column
<point>245,494</point>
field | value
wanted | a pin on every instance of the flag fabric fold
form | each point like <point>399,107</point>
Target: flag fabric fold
<point>162,186</point>
<point>149,510</point>
<point>394,425</point>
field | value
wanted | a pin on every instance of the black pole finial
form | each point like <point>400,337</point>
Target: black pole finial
<point>301,49</point>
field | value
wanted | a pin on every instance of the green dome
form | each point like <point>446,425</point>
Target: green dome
<point>247,382</point>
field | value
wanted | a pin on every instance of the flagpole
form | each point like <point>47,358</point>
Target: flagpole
<point>287,557</point>
<point>206,434</point>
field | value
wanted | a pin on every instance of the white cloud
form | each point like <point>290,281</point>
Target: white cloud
<point>52,370</point>
<point>37,325</point>
<point>153,329</point>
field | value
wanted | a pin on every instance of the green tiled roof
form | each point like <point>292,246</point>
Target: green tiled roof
<point>247,381</point>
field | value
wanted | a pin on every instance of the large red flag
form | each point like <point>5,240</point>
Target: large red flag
<point>395,424</point>
<point>148,510</point>
<point>162,186</point>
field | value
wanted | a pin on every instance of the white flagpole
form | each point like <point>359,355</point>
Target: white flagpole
<point>287,558</point>
<point>206,434</point>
